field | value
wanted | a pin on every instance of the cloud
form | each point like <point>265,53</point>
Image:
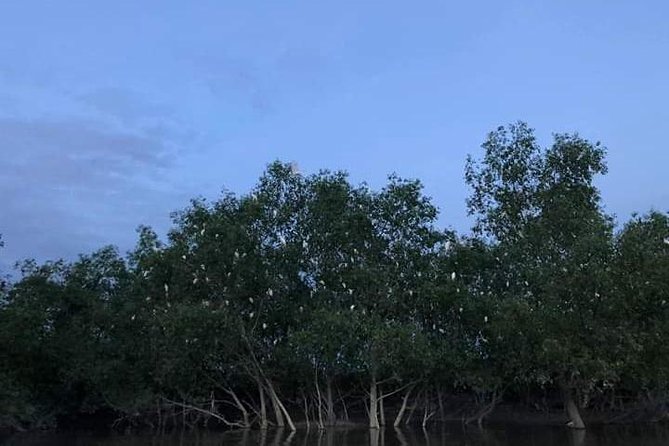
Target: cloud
<point>71,185</point>
<point>125,105</point>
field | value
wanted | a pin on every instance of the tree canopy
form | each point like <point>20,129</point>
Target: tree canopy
<point>314,300</point>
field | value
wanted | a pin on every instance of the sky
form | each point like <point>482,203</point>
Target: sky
<point>115,113</point>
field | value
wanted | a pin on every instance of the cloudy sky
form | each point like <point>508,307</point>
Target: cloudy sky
<point>115,113</point>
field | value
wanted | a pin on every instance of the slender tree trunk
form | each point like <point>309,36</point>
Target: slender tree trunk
<point>238,403</point>
<point>331,416</point>
<point>400,414</point>
<point>427,413</point>
<point>442,414</point>
<point>278,416</point>
<point>413,408</point>
<point>306,410</point>
<point>263,407</point>
<point>282,408</point>
<point>382,412</point>
<point>373,404</point>
<point>575,420</point>
<point>343,404</point>
<point>320,404</point>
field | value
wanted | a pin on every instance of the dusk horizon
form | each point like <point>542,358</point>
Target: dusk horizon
<point>113,117</point>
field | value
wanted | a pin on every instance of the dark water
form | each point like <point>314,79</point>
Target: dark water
<point>650,435</point>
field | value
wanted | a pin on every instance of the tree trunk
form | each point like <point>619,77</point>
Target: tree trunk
<point>343,404</point>
<point>320,404</point>
<point>277,410</point>
<point>427,413</point>
<point>442,414</point>
<point>306,410</point>
<point>282,408</point>
<point>331,416</point>
<point>263,407</point>
<point>400,414</point>
<point>238,403</point>
<point>413,409</point>
<point>382,412</point>
<point>575,420</point>
<point>373,404</point>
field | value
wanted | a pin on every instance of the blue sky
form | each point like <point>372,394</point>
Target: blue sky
<point>114,114</point>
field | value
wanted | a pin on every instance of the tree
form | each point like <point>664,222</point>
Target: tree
<point>641,289</point>
<point>541,209</point>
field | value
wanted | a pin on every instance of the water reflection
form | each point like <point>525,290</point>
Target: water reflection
<point>648,435</point>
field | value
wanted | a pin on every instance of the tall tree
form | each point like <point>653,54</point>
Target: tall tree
<point>542,211</point>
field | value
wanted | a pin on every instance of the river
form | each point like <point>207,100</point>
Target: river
<point>639,435</point>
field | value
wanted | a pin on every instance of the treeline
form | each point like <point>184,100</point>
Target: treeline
<point>315,301</point>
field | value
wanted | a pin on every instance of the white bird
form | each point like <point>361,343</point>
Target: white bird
<point>194,280</point>
<point>270,292</point>
<point>183,256</point>
<point>352,307</point>
<point>202,231</point>
<point>132,318</point>
<point>485,319</point>
<point>251,299</point>
<point>460,309</point>
<point>264,326</point>
<point>251,315</point>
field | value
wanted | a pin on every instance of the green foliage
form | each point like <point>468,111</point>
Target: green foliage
<point>312,281</point>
